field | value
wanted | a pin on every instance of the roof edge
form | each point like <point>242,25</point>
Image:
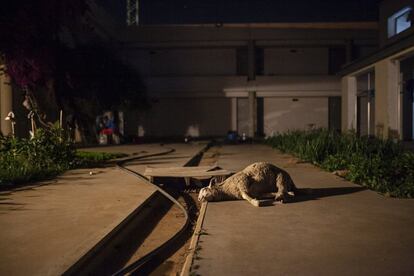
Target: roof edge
<point>360,25</point>
<point>387,51</point>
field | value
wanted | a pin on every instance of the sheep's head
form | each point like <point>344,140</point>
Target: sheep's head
<point>206,194</point>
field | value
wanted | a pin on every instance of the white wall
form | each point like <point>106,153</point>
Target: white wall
<point>194,79</point>
<point>296,61</point>
<point>283,114</point>
<point>183,116</point>
<point>193,62</point>
<point>196,96</point>
<point>243,116</point>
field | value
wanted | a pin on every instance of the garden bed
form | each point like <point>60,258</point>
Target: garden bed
<point>381,165</point>
<point>48,154</point>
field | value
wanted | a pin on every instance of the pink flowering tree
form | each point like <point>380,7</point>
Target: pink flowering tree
<point>31,42</point>
<point>83,79</point>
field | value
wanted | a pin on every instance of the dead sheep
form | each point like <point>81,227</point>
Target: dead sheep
<point>258,180</point>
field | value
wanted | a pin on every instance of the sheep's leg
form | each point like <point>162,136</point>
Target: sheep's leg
<point>251,200</point>
<point>281,188</point>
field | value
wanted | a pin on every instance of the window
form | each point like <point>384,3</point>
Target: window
<point>243,62</point>
<point>399,21</point>
<point>337,58</point>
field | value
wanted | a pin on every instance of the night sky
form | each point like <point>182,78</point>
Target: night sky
<point>244,11</point>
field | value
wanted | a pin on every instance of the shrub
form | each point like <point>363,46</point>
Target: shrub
<point>47,154</point>
<point>381,165</point>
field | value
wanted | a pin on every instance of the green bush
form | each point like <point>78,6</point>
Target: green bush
<point>86,159</point>
<point>47,154</point>
<point>381,165</point>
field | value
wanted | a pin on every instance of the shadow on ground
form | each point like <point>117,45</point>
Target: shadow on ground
<point>317,193</point>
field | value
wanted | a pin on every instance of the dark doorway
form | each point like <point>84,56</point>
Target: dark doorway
<point>334,109</point>
<point>366,104</point>
<point>408,106</point>
<point>407,70</point>
<point>260,117</point>
<point>366,113</point>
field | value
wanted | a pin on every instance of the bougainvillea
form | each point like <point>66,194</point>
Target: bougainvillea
<point>30,37</point>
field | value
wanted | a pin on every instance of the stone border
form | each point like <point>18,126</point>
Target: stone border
<point>186,270</point>
<point>92,258</point>
<point>97,255</point>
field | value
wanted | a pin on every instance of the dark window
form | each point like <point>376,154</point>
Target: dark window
<point>337,58</point>
<point>242,61</point>
<point>259,64</point>
<point>334,109</point>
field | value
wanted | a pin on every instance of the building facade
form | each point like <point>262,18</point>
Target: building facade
<point>253,78</point>
<point>257,79</point>
<point>377,91</point>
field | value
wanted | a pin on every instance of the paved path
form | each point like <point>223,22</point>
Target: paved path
<point>46,227</point>
<point>341,229</point>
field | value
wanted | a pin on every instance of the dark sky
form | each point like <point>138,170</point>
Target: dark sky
<point>243,11</point>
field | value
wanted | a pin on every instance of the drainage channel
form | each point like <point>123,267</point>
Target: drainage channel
<point>112,256</point>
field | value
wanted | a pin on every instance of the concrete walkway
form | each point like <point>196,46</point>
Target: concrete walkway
<point>340,229</point>
<point>48,226</point>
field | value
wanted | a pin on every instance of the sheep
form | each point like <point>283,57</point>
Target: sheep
<point>258,180</point>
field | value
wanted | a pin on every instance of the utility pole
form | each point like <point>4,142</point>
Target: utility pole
<point>132,12</point>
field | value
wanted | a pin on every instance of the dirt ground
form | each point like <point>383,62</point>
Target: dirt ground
<point>171,222</point>
<point>173,265</point>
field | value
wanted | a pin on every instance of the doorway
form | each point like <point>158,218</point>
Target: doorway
<point>366,104</point>
<point>407,71</point>
<point>334,110</point>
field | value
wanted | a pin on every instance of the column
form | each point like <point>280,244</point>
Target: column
<point>349,94</point>
<point>252,94</point>
<point>6,102</point>
<point>387,98</point>
<point>251,59</point>
<point>252,113</point>
<point>233,114</point>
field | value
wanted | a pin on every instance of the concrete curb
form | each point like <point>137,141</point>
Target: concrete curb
<point>91,261</point>
<point>94,256</point>
<point>153,254</point>
<point>186,270</point>
<point>97,255</point>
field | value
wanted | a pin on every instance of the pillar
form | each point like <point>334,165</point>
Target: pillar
<point>387,98</point>
<point>252,113</point>
<point>251,59</point>
<point>349,101</point>
<point>234,114</point>
<point>6,102</point>
<point>251,51</point>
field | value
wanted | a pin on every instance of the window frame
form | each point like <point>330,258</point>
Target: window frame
<point>392,21</point>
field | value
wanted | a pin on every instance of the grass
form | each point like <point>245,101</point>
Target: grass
<point>381,165</point>
<point>48,154</point>
<point>90,159</point>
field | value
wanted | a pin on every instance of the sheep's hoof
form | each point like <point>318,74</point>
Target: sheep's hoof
<point>255,203</point>
<point>279,201</point>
